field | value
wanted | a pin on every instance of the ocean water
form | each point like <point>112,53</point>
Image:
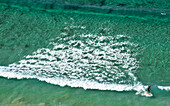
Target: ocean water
<point>73,55</point>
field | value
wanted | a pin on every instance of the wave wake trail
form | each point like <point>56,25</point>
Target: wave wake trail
<point>88,61</point>
<point>86,84</point>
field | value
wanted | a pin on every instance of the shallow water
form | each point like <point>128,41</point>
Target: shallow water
<point>33,92</point>
<point>120,53</point>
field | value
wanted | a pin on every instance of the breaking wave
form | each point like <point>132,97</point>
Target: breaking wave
<point>90,58</point>
<point>86,60</point>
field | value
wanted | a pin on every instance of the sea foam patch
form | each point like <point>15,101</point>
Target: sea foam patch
<point>87,60</point>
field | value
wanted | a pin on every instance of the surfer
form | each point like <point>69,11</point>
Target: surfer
<point>149,88</point>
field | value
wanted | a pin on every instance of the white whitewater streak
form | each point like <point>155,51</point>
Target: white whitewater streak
<point>167,88</point>
<point>86,84</point>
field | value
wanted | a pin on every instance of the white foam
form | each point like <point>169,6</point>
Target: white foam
<point>8,74</point>
<point>86,84</point>
<point>121,36</point>
<point>167,88</point>
<point>84,63</point>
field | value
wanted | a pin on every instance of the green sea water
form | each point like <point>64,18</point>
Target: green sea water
<point>52,55</point>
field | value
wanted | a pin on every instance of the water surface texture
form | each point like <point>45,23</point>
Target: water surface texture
<point>74,54</point>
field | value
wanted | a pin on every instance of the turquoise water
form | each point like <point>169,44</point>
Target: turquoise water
<point>64,56</point>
